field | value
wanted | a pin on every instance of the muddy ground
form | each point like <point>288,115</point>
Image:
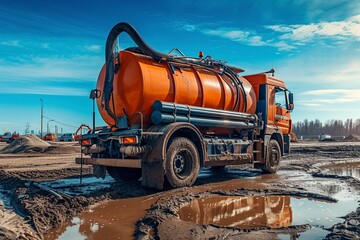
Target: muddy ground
<point>41,198</point>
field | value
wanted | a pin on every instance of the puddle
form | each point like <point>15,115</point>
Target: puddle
<point>5,199</point>
<point>351,170</point>
<point>72,186</point>
<point>267,211</point>
<point>112,220</point>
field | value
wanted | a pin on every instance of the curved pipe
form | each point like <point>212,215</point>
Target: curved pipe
<point>109,58</point>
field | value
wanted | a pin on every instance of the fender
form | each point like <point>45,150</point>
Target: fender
<point>153,164</point>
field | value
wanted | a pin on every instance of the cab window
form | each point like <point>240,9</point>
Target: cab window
<point>280,98</point>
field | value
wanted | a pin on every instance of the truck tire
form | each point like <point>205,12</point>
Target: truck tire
<point>124,174</point>
<point>273,158</point>
<point>182,163</point>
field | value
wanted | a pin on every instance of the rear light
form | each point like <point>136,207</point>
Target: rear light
<point>86,142</point>
<point>128,140</point>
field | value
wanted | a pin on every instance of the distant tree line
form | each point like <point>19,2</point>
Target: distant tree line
<point>332,127</point>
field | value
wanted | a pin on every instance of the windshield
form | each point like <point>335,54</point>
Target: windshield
<point>280,98</point>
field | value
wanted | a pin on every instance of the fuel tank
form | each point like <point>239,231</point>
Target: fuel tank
<point>140,81</point>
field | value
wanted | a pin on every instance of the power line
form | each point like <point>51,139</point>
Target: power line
<point>64,124</point>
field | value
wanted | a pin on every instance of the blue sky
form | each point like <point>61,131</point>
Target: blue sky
<point>54,50</point>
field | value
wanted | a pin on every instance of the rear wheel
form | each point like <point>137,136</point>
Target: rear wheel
<point>182,162</point>
<point>124,174</point>
<point>273,157</point>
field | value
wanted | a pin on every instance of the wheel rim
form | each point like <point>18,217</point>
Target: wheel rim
<point>179,163</point>
<point>182,163</point>
<point>274,159</point>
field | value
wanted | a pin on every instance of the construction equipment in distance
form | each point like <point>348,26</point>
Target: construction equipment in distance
<point>49,137</point>
<point>293,137</point>
<point>169,115</point>
<point>79,131</point>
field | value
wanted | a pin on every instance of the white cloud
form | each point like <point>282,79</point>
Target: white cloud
<point>58,91</point>
<point>189,27</point>
<point>347,29</point>
<point>354,93</point>
<point>283,46</point>
<point>51,68</point>
<point>287,37</point>
<point>309,104</point>
<point>11,43</point>
<point>355,18</point>
<point>236,35</point>
<point>93,48</point>
<point>329,97</point>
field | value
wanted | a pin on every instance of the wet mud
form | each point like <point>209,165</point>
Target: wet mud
<point>46,197</point>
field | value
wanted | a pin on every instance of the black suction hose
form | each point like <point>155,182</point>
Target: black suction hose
<point>109,58</point>
<point>239,83</point>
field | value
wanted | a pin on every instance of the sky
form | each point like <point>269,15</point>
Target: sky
<point>54,50</point>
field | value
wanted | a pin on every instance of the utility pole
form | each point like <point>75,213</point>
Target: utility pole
<point>42,118</point>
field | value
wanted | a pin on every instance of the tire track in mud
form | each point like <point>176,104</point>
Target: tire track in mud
<point>40,210</point>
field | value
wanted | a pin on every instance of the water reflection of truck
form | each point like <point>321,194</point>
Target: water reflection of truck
<point>240,212</point>
<point>169,115</point>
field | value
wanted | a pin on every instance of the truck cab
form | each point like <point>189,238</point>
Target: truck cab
<point>275,102</point>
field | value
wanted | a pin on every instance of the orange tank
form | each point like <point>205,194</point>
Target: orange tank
<point>140,81</point>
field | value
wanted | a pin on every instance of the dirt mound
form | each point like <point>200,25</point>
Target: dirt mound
<point>63,148</point>
<point>9,181</point>
<point>352,138</point>
<point>12,226</point>
<point>27,143</point>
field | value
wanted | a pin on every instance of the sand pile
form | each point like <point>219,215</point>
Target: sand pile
<point>13,226</point>
<point>352,138</point>
<point>27,143</point>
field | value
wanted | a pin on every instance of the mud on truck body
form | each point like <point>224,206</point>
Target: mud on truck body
<point>169,115</point>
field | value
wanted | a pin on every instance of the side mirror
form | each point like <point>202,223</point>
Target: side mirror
<point>291,101</point>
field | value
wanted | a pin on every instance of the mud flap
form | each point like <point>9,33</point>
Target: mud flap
<point>152,166</point>
<point>99,171</point>
<point>153,173</point>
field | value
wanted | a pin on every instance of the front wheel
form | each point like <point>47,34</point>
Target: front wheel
<point>182,162</point>
<point>273,158</point>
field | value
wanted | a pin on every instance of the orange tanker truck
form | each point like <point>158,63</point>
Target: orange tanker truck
<point>169,115</point>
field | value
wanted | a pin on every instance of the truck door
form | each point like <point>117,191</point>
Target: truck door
<point>282,115</point>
